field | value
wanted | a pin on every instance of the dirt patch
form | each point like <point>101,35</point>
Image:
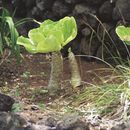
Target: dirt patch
<point>28,81</point>
<point>36,69</point>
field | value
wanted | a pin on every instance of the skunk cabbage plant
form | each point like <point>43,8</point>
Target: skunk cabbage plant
<point>124,34</point>
<point>50,36</point>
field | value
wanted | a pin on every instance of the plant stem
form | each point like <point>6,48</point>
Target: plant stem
<point>56,72</point>
<point>75,74</point>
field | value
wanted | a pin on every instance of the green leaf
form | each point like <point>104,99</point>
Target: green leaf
<point>69,29</point>
<point>27,43</point>
<point>13,31</point>
<point>124,34</point>
<point>8,34</point>
<point>16,107</point>
<point>5,12</point>
<point>36,36</point>
<point>50,45</point>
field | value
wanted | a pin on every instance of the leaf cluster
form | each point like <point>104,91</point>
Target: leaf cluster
<point>50,36</point>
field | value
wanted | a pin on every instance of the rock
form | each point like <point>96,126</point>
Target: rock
<point>29,4</point>
<point>79,125</point>
<point>20,11</point>
<point>104,30</point>
<point>113,1</point>
<point>44,4</point>
<point>95,2</point>
<point>18,128</point>
<point>6,102</point>
<point>72,122</point>
<point>79,9</point>
<point>73,1</point>
<point>119,127</point>
<point>89,46</point>
<point>83,8</point>
<point>68,122</point>
<point>35,13</point>
<point>42,10</point>
<point>1,2</point>
<point>38,127</point>
<point>80,23</point>
<point>60,9</point>
<point>86,13</point>
<point>86,31</point>
<point>121,10</point>
<point>105,12</point>
<point>48,15</point>
<point>10,121</point>
<point>48,121</point>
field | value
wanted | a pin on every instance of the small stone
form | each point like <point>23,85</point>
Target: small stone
<point>73,1</point>
<point>11,121</point>
<point>44,4</point>
<point>94,2</point>
<point>80,8</point>
<point>86,31</point>
<point>6,102</point>
<point>105,12</point>
<point>60,8</point>
<point>48,121</point>
<point>38,127</point>
<point>121,10</point>
<point>18,128</point>
<point>35,107</point>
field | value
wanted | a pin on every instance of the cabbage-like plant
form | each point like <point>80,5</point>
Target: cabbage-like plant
<point>51,36</point>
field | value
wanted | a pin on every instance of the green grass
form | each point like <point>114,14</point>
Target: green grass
<point>108,96</point>
<point>9,33</point>
<point>104,97</point>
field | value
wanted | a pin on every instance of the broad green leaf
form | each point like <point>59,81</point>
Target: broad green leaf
<point>69,29</point>
<point>47,23</point>
<point>57,34</point>
<point>27,43</point>
<point>51,46</point>
<point>36,36</point>
<point>50,36</point>
<point>47,26</point>
<point>124,34</point>
<point>50,43</point>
